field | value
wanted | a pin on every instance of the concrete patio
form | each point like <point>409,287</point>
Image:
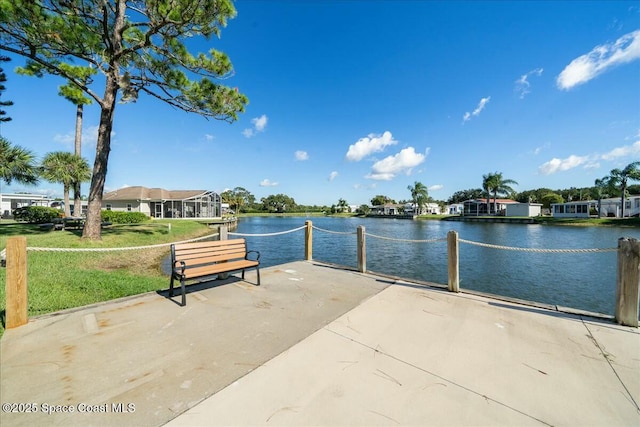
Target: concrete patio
<point>318,345</point>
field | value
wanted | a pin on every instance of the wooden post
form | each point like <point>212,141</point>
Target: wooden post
<point>308,241</point>
<point>362,250</point>
<point>628,282</point>
<point>16,286</point>
<point>453,262</point>
<point>223,232</point>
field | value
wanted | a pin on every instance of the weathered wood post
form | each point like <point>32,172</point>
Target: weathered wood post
<point>453,264</point>
<point>16,286</point>
<point>628,282</point>
<point>362,250</point>
<point>308,241</point>
<point>223,232</point>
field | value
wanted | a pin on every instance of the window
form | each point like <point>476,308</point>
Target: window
<point>559,208</point>
<point>128,207</point>
<point>583,209</point>
<point>571,209</point>
<point>108,206</point>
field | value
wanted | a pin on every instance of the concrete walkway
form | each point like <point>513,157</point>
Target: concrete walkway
<point>320,346</point>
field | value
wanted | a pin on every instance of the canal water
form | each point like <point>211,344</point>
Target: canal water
<point>585,281</point>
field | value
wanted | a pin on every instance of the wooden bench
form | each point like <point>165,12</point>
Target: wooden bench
<point>196,260</point>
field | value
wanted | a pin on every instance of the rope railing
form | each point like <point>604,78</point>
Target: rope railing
<point>277,233</point>
<point>394,239</point>
<point>126,248</point>
<point>334,232</point>
<point>538,250</point>
<point>626,312</point>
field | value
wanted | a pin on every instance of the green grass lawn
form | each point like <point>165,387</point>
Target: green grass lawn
<point>61,280</point>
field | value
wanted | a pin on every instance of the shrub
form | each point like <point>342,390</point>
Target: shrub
<point>36,214</point>
<point>120,217</point>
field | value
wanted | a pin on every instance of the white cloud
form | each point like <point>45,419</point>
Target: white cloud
<point>89,137</point>
<point>600,59</point>
<point>624,151</point>
<point>402,162</point>
<point>435,187</point>
<point>208,137</point>
<point>557,165</point>
<point>333,175</point>
<point>523,87</point>
<point>267,183</point>
<point>259,125</point>
<point>369,145</point>
<point>301,155</point>
<point>590,161</point>
<point>483,102</point>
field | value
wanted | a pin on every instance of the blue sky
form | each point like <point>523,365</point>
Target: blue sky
<point>350,99</point>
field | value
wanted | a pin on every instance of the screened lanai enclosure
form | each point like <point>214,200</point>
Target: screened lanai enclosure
<point>160,203</point>
<point>205,205</point>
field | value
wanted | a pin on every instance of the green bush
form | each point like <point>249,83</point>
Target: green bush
<point>36,214</point>
<point>120,217</point>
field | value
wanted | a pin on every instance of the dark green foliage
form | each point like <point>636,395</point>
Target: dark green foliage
<point>117,217</point>
<point>36,214</point>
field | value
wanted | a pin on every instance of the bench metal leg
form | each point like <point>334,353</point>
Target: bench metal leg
<point>171,287</point>
<point>258,273</point>
<point>184,295</point>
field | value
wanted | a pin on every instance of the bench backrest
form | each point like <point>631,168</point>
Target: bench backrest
<point>208,252</point>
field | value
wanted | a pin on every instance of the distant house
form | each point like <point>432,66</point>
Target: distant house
<point>524,209</point>
<point>12,201</point>
<point>478,207</point>
<point>579,209</point>
<point>610,207</point>
<point>387,209</point>
<point>454,209</point>
<point>161,203</point>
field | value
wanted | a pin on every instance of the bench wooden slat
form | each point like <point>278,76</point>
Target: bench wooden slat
<point>201,259</point>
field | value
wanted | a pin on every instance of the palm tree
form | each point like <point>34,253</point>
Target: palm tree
<point>498,185</point>
<point>600,191</point>
<point>343,205</point>
<point>419,195</point>
<point>17,164</point>
<point>620,178</point>
<point>65,168</point>
<point>487,184</point>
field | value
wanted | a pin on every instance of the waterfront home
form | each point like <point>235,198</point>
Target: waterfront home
<point>478,207</point>
<point>387,209</point>
<point>161,203</point>
<point>524,209</point>
<point>610,207</point>
<point>454,209</point>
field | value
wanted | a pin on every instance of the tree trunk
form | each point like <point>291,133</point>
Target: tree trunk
<point>624,189</point>
<point>67,206</point>
<point>92,228</point>
<point>77,201</point>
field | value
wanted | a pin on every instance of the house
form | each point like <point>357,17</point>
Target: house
<point>454,209</point>
<point>524,209</point>
<point>12,201</point>
<point>387,209</point>
<point>161,203</point>
<point>610,207</point>
<point>478,207</point>
<point>578,209</point>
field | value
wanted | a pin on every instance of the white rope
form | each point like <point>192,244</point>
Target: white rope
<point>128,248</point>
<point>406,240</point>
<point>555,251</point>
<point>268,234</point>
<point>333,232</point>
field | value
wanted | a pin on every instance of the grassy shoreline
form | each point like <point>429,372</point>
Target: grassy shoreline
<point>62,280</point>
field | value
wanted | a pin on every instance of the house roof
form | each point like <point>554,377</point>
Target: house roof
<point>500,201</point>
<point>144,193</point>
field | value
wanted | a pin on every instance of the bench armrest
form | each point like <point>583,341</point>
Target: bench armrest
<point>246,256</point>
<point>178,267</point>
